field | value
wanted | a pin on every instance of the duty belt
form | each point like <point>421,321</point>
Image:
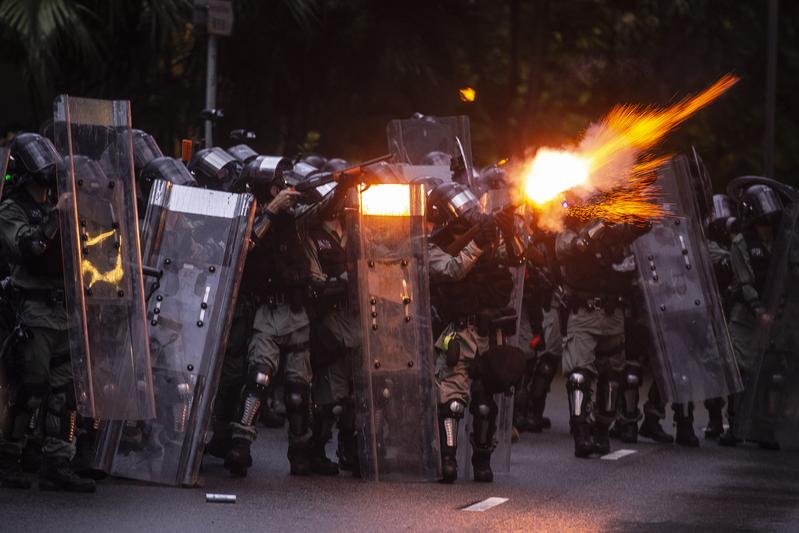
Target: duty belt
<point>596,303</point>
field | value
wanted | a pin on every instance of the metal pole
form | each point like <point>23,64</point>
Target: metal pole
<point>210,89</point>
<point>771,88</point>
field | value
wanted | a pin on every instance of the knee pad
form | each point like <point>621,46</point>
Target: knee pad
<point>548,366</point>
<point>450,414</point>
<point>632,378</point>
<point>296,395</point>
<point>258,378</point>
<point>451,409</point>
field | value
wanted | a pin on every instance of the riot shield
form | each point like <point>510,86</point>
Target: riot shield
<point>4,153</point>
<point>107,324</point>
<point>395,386</point>
<point>432,147</point>
<point>197,239</point>
<point>769,409</point>
<point>6,318</point>
<point>694,357</point>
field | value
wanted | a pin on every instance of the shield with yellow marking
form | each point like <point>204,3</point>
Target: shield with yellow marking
<point>108,336</point>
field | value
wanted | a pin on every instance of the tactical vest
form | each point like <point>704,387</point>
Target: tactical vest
<point>590,276</point>
<point>284,265</point>
<point>759,259</point>
<point>487,286</point>
<point>332,256</point>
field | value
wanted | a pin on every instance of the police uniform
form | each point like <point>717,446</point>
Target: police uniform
<point>335,341</point>
<point>594,350</point>
<point>47,386</point>
<point>281,334</point>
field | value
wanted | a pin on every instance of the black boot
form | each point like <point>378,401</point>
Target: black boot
<point>449,416</point>
<point>715,423</point>
<point>323,422</point>
<point>11,474</point>
<point>481,464</point>
<point>651,429</point>
<point>484,412</point>
<point>347,441</point>
<point>57,474</point>
<point>578,389</point>
<point>583,443</point>
<point>219,445</point>
<point>684,420</point>
<point>628,432</point>
<point>542,380</point>
<point>238,459</point>
<point>85,451</point>
<point>31,459</point>
<point>601,439</point>
<point>297,397</point>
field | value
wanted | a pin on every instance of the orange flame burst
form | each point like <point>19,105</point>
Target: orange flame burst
<point>612,164</point>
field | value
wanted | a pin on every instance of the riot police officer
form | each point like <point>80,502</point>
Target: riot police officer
<point>335,340</point>
<point>597,273</point>
<point>281,325</point>
<point>751,251</point>
<point>470,287</point>
<point>30,242</point>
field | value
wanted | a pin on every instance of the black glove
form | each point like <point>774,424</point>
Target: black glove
<point>506,221</point>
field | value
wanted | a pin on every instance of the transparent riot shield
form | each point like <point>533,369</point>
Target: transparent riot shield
<point>197,240</point>
<point>107,324</point>
<point>6,320</point>
<point>694,357</point>
<point>4,153</point>
<point>769,409</point>
<point>438,147</point>
<point>395,387</point>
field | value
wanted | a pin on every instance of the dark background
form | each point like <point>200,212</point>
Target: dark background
<point>327,75</point>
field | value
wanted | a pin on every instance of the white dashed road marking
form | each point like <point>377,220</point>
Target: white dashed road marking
<point>485,505</point>
<point>618,454</point>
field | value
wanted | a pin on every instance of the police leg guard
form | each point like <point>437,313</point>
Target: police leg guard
<point>654,412</point>
<point>542,380</point>
<point>629,414</point>
<point>484,412</point>
<point>347,440</point>
<point>715,419</point>
<point>449,417</point>
<point>607,396</point>
<point>59,429</point>
<point>324,418</point>
<point>684,421</point>
<point>297,412</point>
<point>578,390</point>
<point>86,450</point>
<point>239,458</point>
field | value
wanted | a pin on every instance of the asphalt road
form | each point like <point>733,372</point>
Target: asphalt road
<point>657,488</point>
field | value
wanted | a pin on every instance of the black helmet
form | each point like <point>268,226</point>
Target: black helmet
<point>760,204</point>
<point>260,174</point>
<point>243,153</point>
<point>89,174</point>
<point>214,168</point>
<point>335,164</point>
<point>168,169</point>
<point>300,173</point>
<point>35,156</point>
<point>722,216</point>
<point>315,160</point>
<point>145,149</point>
<point>447,202</point>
